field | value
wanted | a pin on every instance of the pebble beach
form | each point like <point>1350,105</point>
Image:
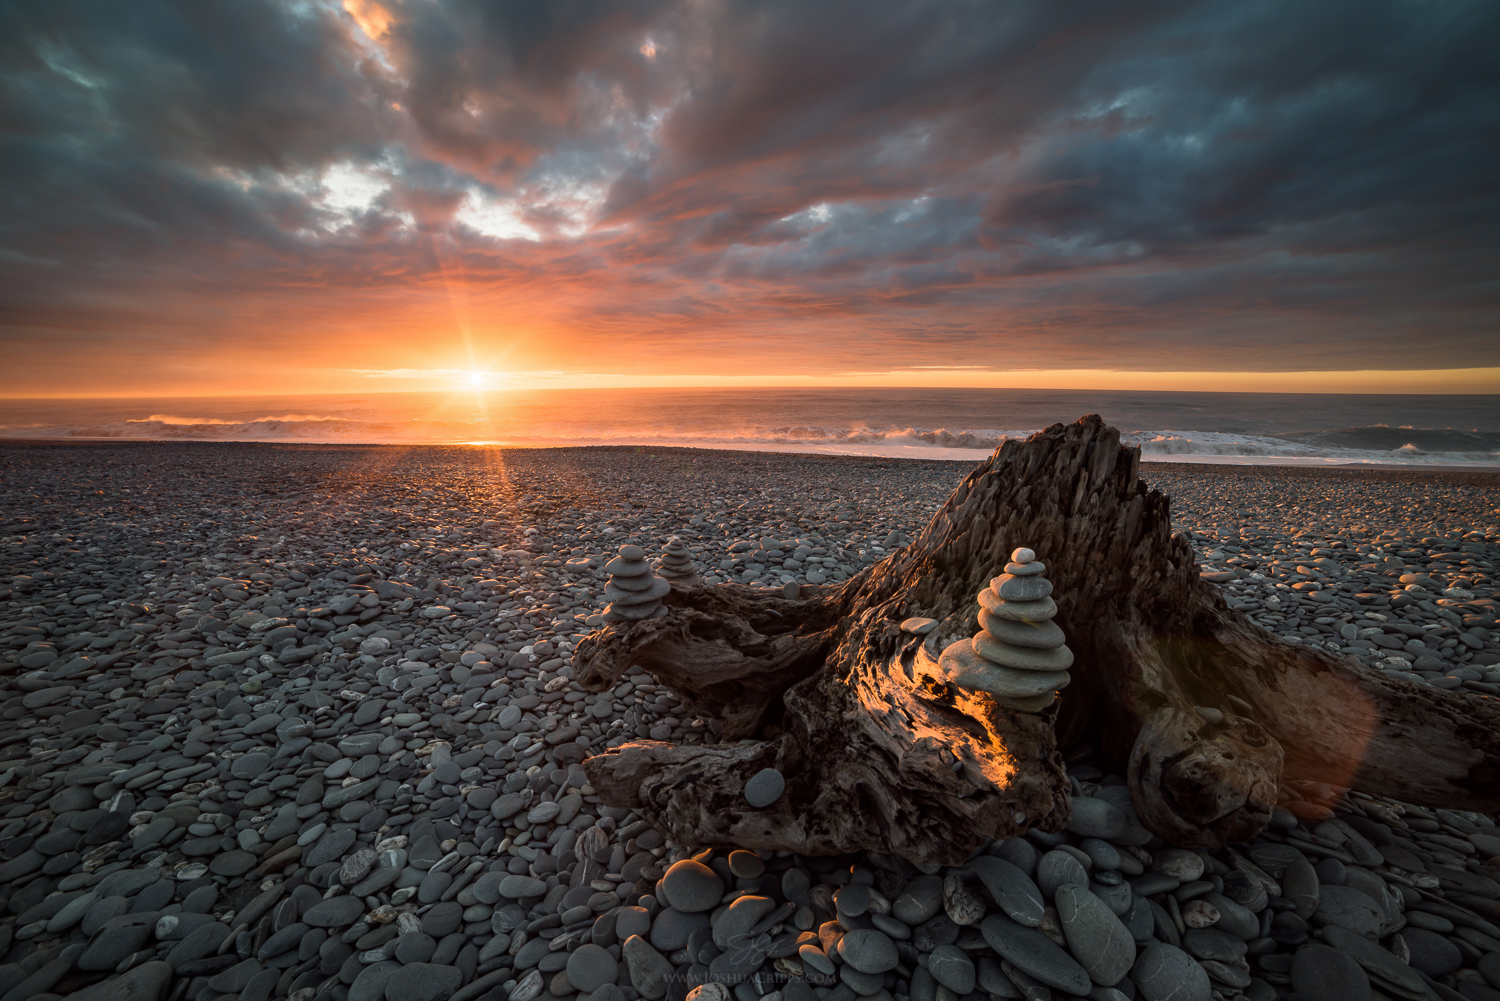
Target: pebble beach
<point>299,721</point>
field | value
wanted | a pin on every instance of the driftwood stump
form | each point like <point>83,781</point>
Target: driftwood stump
<point>878,754</point>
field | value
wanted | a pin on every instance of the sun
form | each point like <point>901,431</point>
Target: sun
<point>476,378</point>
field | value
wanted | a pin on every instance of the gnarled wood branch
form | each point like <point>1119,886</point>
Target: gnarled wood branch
<point>879,754</point>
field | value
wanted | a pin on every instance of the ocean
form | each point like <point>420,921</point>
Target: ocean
<point>1276,428</point>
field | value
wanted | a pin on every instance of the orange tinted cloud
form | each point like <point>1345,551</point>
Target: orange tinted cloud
<point>245,196</point>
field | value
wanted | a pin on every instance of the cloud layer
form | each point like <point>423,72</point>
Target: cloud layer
<point>714,186</point>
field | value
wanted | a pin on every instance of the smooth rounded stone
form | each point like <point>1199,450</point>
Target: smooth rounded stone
<point>422,982</point>
<point>952,967</point>
<point>919,901</point>
<point>201,900</point>
<point>249,766</point>
<point>619,592</point>
<point>101,911</point>
<point>147,982</point>
<point>1097,818</point>
<point>746,865</point>
<point>508,805</point>
<point>1376,960</point>
<point>1103,854</point>
<point>1015,892</point>
<point>1349,908</point>
<point>1043,635</point>
<point>424,853</point>
<point>112,944</point>
<point>1023,554</point>
<point>1320,973</point>
<point>1211,943</point>
<point>632,921</point>
<point>330,847</point>
<point>853,900</point>
<point>433,885</point>
<point>150,836</point>
<point>962,665</point>
<point>1299,884</point>
<point>630,562</point>
<point>543,812</point>
<point>863,984</point>
<point>1018,852</point>
<point>1165,973</point>
<point>1022,611</point>
<point>1033,953</point>
<point>649,969</point>
<point>127,882</point>
<point>743,914</point>
<point>692,887</point>
<point>444,918</point>
<point>415,947</point>
<point>234,862</point>
<point>918,625</point>
<point>516,887</point>
<point>105,828</point>
<point>1031,587</point>
<point>335,912</point>
<point>1056,868</point>
<point>1096,937</point>
<point>869,950</point>
<point>357,745</point>
<point>591,967</point>
<point>671,928</point>
<point>486,888</point>
<point>71,913</point>
<point>1022,658</point>
<point>236,978</point>
<point>814,957</point>
<point>706,992</point>
<point>1233,918</point>
<point>376,881</point>
<point>199,943</point>
<point>1431,953</point>
<point>764,788</point>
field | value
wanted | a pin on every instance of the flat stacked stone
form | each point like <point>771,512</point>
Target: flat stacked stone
<point>633,591</point>
<point>1019,656</point>
<point>677,564</point>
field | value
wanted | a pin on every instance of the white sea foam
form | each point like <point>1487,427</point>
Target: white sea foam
<point>1300,448</point>
<point>934,424</point>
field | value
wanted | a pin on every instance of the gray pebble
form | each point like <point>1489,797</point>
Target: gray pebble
<point>1166,973</point>
<point>590,967</point>
<point>764,788</point>
<point>1097,939</point>
<point>868,950</point>
<point>692,887</point>
<point>1320,973</point>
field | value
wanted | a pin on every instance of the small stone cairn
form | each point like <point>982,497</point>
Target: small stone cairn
<point>1019,656</point>
<point>677,564</point>
<point>634,592</point>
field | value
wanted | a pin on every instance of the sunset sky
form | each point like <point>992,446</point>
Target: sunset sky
<point>251,196</point>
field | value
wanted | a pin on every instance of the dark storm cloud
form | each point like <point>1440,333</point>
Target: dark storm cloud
<point>1151,184</point>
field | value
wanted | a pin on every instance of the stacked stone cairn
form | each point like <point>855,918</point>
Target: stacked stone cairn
<point>677,564</point>
<point>1019,656</point>
<point>634,592</point>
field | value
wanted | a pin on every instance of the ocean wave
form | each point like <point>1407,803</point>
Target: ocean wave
<point>1358,445</point>
<point>173,420</point>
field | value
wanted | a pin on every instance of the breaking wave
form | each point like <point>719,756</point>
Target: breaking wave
<point>1354,445</point>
